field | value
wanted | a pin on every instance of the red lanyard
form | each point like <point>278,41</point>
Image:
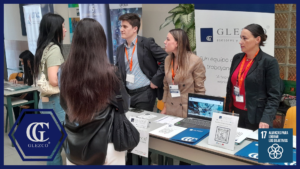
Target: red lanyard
<point>130,63</point>
<point>241,78</point>
<point>173,73</point>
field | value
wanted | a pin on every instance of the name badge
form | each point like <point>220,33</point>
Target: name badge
<point>130,78</point>
<point>174,90</point>
<point>239,98</point>
<point>236,90</point>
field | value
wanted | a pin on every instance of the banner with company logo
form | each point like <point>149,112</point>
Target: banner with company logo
<point>218,29</point>
<point>99,12</point>
<point>33,17</point>
<point>116,10</point>
<point>74,18</point>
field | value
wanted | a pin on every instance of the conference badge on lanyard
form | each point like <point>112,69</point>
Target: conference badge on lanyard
<point>174,90</point>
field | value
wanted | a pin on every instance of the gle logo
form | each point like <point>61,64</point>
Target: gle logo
<point>38,135</point>
<point>189,139</point>
<point>206,34</point>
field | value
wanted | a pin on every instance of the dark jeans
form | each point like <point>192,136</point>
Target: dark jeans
<point>244,121</point>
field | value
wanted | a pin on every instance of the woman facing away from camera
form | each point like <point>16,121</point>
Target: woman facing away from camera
<point>87,83</point>
<point>52,33</point>
<point>253,88</point>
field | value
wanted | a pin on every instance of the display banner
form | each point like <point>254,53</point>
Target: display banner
<point>116,10</point>
<point>99,12</point>
<point>33,17</point>
<point>74,18</point>
<point>218,29</point>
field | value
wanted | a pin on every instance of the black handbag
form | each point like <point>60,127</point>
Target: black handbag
<point>125,136</point>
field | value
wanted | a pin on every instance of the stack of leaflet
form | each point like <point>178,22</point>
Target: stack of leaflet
<point>191,136</point>
<point>251,152</point>
<point>242,134</point>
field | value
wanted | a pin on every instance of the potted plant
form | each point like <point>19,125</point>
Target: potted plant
<point>183,17</point>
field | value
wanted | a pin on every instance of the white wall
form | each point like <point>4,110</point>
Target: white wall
<point>153,16</point>
<point>62,10</point>
<point>12,23</point>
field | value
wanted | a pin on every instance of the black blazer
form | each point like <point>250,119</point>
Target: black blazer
<point>262,88</point>
<point>149,53</point>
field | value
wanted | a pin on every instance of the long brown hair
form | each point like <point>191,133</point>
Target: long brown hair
<point>88,80</point>
<point>183,50</point>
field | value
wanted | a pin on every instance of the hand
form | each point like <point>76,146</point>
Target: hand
<point>14,81</point>
<point>153,86</point>
<point>263,125</point>
<point>164,111</point>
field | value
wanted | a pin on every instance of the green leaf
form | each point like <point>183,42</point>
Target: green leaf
<point>168,20</point>
<point>192,37</point>
<point>178,9</point>
<point>188,7</point>
<point>177,16</point>
<point>187,19</point>
<point>178,25</point>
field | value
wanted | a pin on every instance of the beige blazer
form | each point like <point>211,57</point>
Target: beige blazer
<point>192,83</point>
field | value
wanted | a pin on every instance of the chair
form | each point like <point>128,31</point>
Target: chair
<point>160,106</point>
<point>290,119</point>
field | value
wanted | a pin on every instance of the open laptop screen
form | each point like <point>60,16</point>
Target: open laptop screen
<point>203,106</point>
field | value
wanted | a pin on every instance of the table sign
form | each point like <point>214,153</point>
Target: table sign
<point>223,130</point>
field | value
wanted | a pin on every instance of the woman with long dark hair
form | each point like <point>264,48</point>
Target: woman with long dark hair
<point>253,88</point>
<point>49,47</point>
<point>184,71</point>
<point>88,84</point>
<point>26,59</point>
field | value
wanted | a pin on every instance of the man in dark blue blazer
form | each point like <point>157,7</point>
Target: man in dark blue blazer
<point>141,64</point>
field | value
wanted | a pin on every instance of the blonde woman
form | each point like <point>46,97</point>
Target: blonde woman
<point>184,74</point>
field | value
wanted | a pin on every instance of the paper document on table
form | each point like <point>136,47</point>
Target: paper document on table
<point>167,131</point>
<point>147,116</point>
<point>168,120</point>
<point>241,134</point>
<point>254,135</point>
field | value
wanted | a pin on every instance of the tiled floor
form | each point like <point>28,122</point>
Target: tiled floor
<point>12,157</point>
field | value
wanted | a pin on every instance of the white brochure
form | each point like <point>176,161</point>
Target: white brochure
<point>167,131</point>
<point>147,116</point>
<point>168,120</point>
<point>223,130</point>
<point>241,135</point>
<point>143,147</point>
<point>254,135</point>
<point>139,123</point>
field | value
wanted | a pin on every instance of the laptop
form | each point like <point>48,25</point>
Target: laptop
<point>200,111</point>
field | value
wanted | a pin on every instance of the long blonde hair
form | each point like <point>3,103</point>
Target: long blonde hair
<point>183,50</point>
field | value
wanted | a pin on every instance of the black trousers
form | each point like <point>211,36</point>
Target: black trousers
<point>142,98</point>
<point>244,121</point>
